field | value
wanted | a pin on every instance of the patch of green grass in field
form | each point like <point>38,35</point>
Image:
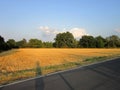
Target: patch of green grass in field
<point>8,52</point>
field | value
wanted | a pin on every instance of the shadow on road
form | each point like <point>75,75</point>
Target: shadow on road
<point>39,83</point>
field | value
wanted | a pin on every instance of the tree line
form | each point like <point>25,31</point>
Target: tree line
<point>67,40</point>
<point>63,40</point>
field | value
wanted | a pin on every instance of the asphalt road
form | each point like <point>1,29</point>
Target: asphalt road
<point>101,76</point>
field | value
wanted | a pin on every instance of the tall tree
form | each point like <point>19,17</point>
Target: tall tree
<point>35,43</point>
<point>100,42</point>
<point>113,41</point>
<point>64,40</point>
<point>22,43</point>
<point>11,43</point>
<point>3,45</point>
<point>87,42</point>
<point>47,45</point>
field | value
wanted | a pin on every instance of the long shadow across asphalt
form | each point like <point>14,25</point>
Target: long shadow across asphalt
<point>39,83</point>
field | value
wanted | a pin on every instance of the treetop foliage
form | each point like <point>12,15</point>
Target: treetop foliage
<point>63,40</point>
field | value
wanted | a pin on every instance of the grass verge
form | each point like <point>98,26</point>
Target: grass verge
<point>6,78</point>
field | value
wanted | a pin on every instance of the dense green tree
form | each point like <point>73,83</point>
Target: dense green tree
<point>11,43</point>
<point>100,42</point>
<point>35,43</point>
<point>2,44</point>
<point>87,42</point>
<point>22,43</point>
<point>1,40</point>
<point>113,41</point>
<point>47,45</point>
<point>64,40</point>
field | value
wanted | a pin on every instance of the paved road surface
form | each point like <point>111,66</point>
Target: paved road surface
<point>101,76</point>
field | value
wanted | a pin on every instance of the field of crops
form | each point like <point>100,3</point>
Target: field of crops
<point>28,59</point>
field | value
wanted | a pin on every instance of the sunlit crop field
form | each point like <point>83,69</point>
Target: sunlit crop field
<point>22,59</point>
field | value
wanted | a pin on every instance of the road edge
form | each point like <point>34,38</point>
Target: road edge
<point>17,82</point>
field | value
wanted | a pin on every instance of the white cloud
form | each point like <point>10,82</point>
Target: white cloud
<point>117,30</point>
<point>44,28</point>
<point>48,34</point>
<point>47,30</point>
<point>78,32</point>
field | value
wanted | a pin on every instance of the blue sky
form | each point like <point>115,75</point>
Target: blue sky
<point>43,19</point>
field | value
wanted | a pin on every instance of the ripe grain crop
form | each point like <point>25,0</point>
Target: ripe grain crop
<point>25,59</point>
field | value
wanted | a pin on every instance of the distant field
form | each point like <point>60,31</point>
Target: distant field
<point>23,63</point>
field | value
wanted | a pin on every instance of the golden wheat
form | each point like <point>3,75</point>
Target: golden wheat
<point>22,59</point>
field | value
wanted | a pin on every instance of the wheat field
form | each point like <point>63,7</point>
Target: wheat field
<point>21,59</point>
<point>25,59</point>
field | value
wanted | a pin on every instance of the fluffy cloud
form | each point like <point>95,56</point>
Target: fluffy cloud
<point>78,32</point>
<point>50,33</point>
<point>47,30</point>
<point>117,30</point>
<point>47,33</point>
